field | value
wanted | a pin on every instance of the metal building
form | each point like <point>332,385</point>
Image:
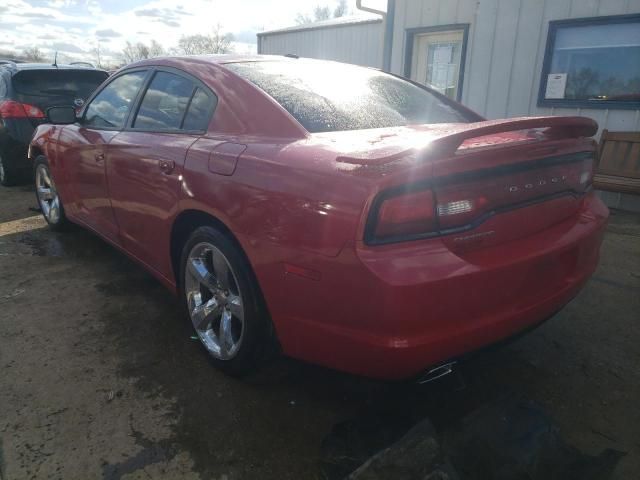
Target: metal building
<point>355,40</point>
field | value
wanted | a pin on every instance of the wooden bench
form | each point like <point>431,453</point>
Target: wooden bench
<point>618,167</point>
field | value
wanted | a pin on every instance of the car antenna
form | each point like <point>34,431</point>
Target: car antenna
<point>55,59</point>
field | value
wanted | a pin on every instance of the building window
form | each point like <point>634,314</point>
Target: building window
<point>435,57</point>
<point>592,63</point>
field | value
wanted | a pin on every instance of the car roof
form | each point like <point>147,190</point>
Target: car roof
<point>215,59</point>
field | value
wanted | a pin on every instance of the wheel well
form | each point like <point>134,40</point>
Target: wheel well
<point>186,223</point>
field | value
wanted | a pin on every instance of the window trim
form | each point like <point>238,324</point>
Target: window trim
<point>554,25</point>
<point>197,83</point>
<point>410,35</point>
<point>85,107</point>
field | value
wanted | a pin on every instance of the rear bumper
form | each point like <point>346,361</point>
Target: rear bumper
<point>398,311</point>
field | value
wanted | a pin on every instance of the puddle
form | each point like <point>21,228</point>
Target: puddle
<point>151,453</point>
<point>42,242</point>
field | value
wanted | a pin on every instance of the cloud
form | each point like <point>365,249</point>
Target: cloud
<point>170,23</point>
<point>34,15</point>
<point>108,33</point>
<point>61,3</point>
<point>67,47</point>
<point>161,12</point>
<point>150,12</point>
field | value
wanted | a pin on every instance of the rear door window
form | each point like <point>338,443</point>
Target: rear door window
<point>165,103</point>
<point>57,87</point>
<point>202,104</point>
<point>110,108</point>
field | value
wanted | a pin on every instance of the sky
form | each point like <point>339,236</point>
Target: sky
<point>74,28</point>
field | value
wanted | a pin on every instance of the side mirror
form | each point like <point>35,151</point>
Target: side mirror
<point>61,115</point>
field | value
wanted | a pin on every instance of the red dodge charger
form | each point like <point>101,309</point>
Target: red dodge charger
<point>351,217</point>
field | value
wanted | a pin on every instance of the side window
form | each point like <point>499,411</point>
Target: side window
<point>3,87</point>
<point>111,106</point>
<point>164,103</point>
<point>199,110</point>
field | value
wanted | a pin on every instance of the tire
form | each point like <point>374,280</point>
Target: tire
<point>8,176</point>
<point>210,299</point>
<point>47,196</point>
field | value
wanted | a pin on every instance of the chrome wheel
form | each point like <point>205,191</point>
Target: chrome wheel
<point>214,300</point>
<point>47,194</point>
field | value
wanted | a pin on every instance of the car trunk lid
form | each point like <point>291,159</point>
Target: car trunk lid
<point>478,174</point>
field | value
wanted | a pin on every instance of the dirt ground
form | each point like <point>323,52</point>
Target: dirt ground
<point>99,376</point>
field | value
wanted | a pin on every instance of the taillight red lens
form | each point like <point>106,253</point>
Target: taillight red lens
<point>406,215</point>
<point>12,109</point>
<point>32,111</point>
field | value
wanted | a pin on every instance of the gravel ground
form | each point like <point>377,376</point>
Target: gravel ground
<point>100,377</point>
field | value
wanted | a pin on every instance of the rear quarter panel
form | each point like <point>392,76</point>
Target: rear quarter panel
<point>280,196</point>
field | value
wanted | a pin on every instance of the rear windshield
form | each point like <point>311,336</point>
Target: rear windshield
<point>328,96</point>
<point>56,83</point>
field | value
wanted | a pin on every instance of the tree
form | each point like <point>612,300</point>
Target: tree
<point>139,51</point>
<point>202,44</point>
<point>97,54</point>
<point>321,13</point>
<point>341,9</point>
<point>303,19</point>
<point>134,52</point>
<point>156,50</point>
<point>33,54</point>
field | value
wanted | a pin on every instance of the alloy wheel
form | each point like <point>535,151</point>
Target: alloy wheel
<point>214,300</point>
<point>47,194</point>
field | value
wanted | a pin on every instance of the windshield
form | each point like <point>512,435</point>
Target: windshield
<point>329,96</point>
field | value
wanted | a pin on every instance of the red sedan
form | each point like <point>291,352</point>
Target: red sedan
<point>353,218</point>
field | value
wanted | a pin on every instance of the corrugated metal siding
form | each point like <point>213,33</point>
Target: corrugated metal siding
<point>507,41</point>
<point>359,43</point>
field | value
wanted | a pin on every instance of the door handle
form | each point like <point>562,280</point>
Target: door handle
<point>99,157</point>
<point>167,166</point>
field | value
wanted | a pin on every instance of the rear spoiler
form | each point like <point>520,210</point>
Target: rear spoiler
<point>445,143</point>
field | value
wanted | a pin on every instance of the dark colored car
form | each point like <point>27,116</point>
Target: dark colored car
<point>353,218</point>
<point>26,91</point>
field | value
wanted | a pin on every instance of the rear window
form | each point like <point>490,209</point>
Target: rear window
<point>58,83</point>
<point>328,96</point>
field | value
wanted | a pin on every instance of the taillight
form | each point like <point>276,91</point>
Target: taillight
<point>462,202</point>
<point>403,216</point>
<point>12,109</point>
<point>459,207</point>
